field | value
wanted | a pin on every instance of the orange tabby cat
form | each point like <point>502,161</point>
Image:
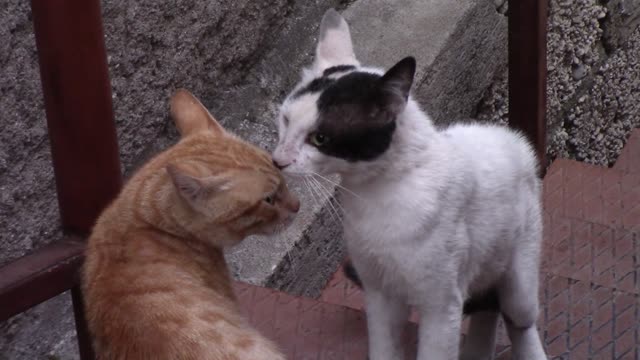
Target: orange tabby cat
<point>155,283</point>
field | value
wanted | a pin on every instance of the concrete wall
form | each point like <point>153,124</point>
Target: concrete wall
<point>593,79</point>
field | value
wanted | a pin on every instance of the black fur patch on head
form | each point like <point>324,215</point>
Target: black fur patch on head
<point>315,86</point>
<point>323,82</point>
<point>353,116</point>
<point>337,69</point>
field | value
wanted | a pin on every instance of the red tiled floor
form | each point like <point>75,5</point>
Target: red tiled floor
<point>628,161</point>
<point>339,290</point>
<point>579,318</point>
<point>592,252</point>
<point>593,193</point>
<point>307,328</point>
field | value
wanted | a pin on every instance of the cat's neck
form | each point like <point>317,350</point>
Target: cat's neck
<point>163,209</point>
<point>150,203</point>
<point>413,142</point>
<point>144,227</point>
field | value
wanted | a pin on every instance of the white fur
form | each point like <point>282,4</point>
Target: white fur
<point>335,45</point>
<point>442,214</point>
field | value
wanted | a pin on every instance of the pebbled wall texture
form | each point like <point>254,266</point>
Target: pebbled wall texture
<point>593,95</point>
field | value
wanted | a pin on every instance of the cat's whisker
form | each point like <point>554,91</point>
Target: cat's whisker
<point>332,199</point>
<point>313,185</point>
<point>305,180</point>
<point>316,192</point>
<point>329,200</point>
<point>337,185</point>
<point>332,195</point>
<point>311,191</point>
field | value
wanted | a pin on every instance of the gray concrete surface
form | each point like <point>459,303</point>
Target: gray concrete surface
<point>593,78</point>
<point>448,39</point>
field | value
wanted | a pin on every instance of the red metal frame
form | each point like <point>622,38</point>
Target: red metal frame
<point>39,276</point>
<point>528,72</point>
<point>84,148</point>
<point>77,98</point>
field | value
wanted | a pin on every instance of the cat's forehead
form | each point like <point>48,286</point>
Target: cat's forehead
<point>341,80</point>
<point>228,150</point>
<point>301,112</point>
<point>314,83</point>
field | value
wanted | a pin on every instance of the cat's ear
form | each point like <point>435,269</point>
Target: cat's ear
<point>194,189</point>
<point>190,115</point>
<point>396,84</point>
<point>334,43</point>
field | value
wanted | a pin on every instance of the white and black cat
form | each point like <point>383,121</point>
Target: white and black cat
<point>432,218</point>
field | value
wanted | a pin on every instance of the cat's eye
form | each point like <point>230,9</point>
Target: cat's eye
<point>318,139</point>
<point>271,199</point>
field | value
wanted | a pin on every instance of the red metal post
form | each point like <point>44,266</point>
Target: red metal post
<point>528,72</point>
<point>77,97</point>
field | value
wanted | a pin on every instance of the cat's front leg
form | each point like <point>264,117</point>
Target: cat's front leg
<point>439,330</point>
<point>386,317</point>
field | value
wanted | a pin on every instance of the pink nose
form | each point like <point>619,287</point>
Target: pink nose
<point>280,164</point>
<point>276,164</point>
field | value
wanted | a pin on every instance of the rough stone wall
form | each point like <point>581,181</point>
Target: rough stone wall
<point>211,47</point>
<point>593,79</point>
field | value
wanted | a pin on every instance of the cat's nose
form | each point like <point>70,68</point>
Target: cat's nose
<point>279,165</point>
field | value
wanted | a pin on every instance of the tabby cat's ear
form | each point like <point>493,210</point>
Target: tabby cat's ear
<point>334,44</point>
<point>194,189</point>
<point>396,84</point>
<point>190,115</point>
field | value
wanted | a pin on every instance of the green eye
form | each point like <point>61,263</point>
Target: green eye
<point>317,139</point>
<point>270,199</point>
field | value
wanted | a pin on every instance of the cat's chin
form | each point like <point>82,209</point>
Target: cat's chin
<point>278,228</point>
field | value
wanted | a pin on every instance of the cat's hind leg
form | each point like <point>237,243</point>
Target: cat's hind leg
<point>525,342</point>
<point>480,341</point>
<point>519,305</point>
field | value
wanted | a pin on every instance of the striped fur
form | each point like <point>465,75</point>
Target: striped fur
<point>155,282</point>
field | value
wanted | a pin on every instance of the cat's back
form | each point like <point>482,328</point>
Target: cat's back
<point>155,281</point>
<point>153,295</point>
<point>496,153</point>
<point>153,301</point>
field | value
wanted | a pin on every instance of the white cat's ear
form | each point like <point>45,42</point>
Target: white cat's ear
<point>191,116</point>
<point>334,43</point>
<point>194,189</point>
<point>396,84</point>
